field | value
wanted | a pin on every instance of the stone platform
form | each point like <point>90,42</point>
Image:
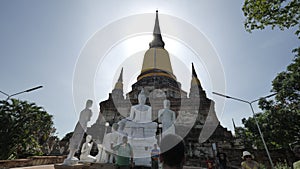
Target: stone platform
<point>95,166</point>
<point>86,166</point>
<point>31,161</point>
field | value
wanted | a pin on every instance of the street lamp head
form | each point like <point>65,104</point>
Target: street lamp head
<point>222,95</point>
<point>25,91</point>
<point>270,95</point>
<point>229,97</point>
<point>264,97</point>
<point>35,88</point>
<point>106,124</point>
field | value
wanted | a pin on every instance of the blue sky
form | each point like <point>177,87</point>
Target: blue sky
<point>41,42</point>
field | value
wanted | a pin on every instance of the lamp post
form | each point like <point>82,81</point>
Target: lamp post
<point>250,104</point>
<point>25,91</point>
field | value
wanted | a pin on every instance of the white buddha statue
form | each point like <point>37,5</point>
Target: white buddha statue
<point>167,118</point>
<point>141,113</point>
<point>99,156</point>
<point>80,129</point>
<point>86,150</point>
<point>110,138</point>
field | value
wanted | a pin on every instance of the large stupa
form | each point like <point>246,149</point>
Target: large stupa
<point>196,120</point>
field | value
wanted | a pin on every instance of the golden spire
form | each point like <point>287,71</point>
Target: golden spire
<point>156,59</point>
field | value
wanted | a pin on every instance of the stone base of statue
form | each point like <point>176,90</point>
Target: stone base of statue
<point>141,137</point>
<point>75,166</point>
<point>85,166</point>
<point>70,161</point>
<point>102,166</point>
<point>88,159</point>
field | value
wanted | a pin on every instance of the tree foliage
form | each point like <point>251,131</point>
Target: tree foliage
<point>67,137</point>
<point>280,121</point>
<point>24,128</point>
<point>283,14</point>
<point>50,144</point>
<point>285,109</point>
<point>65,141</point>
<point>245,136</point>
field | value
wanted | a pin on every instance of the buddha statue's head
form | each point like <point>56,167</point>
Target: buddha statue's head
<point>142,97</point>
<point>167,104</point>
<point>88,138</point>
<point>115,127</point>
<point>89,104</point>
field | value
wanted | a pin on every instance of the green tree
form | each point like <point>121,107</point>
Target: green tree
<point>65,141</point>
<point>51,142</point>
<point>67,137</point>
<point>280,120</point>
<point>284,111</point>
<point>283,14</point>
<point>24,128</point>
<point>251,133</point>
<point>245,136</point>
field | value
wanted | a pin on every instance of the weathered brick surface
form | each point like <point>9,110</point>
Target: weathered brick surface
<point>31,161</point>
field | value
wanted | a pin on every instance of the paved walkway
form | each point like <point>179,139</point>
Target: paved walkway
<point>51,166</point>
<point>37,167</point>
